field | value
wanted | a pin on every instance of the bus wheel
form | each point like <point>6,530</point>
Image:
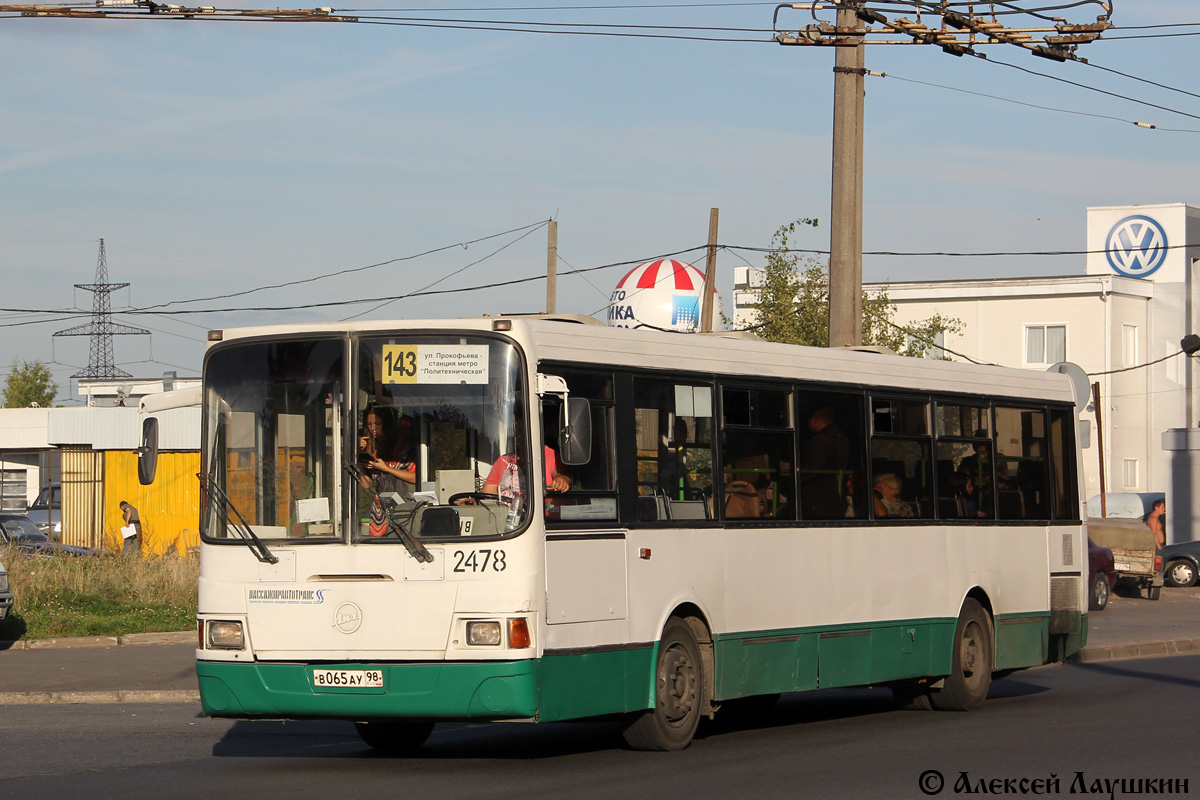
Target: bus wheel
<point>912,696</point>
<point>679,681</point>
<point>966,686</point>
<point>394,737</point>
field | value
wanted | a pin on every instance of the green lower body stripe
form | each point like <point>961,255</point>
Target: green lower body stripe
<point>595,683</point>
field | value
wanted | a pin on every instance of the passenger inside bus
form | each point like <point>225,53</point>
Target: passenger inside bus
<point>966,496</point>
<point>387,464</point>
<point>747,486</point>
<point>887,497</point>
<point>386,452</point>
<point>824,467</point>
<point>507,479</point>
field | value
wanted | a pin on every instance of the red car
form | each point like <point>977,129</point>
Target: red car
<point>1102,575</point>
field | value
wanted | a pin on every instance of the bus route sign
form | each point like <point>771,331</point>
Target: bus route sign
<point>432,363</point>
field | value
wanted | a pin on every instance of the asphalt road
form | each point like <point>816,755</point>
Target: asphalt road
<point>1113,720</point>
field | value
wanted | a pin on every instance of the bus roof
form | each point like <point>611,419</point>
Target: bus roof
<point>565,339</point>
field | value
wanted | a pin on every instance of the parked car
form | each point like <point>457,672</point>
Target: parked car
<point>1102,576</point>
<point>18,531</point>
<point>46,512</point>
<point>1181,562</point>
<point>6,597</point>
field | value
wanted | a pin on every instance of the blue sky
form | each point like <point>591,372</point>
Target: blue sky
<point>218,157</point>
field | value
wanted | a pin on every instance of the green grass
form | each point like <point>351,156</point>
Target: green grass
<point>107,596</point>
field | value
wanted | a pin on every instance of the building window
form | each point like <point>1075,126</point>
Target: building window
<point>1129,473</point>
<point>1045,344</point>
<point>925,348</point>
<point>12,491</point>
<point>1129,345</point>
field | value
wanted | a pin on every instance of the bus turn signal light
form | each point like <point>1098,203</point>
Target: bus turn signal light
<point>518,633</point>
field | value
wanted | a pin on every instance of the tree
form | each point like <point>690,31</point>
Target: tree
<point>793,306</point>
<point>29,385</point>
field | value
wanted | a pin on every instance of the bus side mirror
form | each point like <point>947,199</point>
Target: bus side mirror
<point>148,452</point>
<point>575,431</point>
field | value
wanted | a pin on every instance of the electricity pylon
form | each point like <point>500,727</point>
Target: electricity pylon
<point>101,328</point>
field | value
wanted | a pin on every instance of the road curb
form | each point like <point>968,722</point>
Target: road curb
<point>116,696</point>
<point>172,637</point>
<point>1119,652</point>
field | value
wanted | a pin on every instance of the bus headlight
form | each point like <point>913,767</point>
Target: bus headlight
<point>226,635</point>
<point>483,633</point>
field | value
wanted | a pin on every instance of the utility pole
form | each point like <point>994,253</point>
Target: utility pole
<point>845,221</point>
<point>551,265</point>
<point>710,274</point>
<point>956,33</point>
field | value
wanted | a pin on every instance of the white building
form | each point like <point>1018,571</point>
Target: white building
<point>1138,297</point>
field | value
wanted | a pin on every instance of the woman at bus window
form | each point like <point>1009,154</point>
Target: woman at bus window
<point>387,457</point>
<point>887,497</point>
<point>387,467</point>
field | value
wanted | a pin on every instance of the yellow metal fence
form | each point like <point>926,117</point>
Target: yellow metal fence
<point>169,509</point>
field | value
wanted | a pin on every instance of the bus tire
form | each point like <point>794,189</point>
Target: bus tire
<point>966,687</point>
<point>678,689</point>
<point>392,736</point>
<point>912,696</point>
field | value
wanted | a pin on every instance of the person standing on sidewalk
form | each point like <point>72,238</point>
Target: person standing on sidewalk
<point>133,543</point>
<point>1155,522</point>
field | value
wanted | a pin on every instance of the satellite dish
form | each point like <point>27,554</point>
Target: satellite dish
<point>1081,387</point>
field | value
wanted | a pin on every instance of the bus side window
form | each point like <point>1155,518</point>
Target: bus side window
<point>758,443</point>
<point>1022,479</point>
<point>832,452</point>
<point>1062,453</point>
<point>901,455</point>
<point>674,424</point>
<point>593,486</point>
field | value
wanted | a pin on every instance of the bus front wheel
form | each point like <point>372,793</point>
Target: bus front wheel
<point>966,687</point>
<point>394,737</point>
<point>679,683</point>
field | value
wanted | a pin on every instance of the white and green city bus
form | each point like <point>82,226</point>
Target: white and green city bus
<point>738,519</point>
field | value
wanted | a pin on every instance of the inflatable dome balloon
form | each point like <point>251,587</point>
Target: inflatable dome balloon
<point>662,294</point>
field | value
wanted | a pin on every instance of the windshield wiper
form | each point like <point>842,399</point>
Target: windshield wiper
<point>241,526</point>
<point>394,525</point>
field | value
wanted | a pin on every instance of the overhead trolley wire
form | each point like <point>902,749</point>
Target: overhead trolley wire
<point>464,244</point>
<point>1136,123</point>
<point>1085,86</point>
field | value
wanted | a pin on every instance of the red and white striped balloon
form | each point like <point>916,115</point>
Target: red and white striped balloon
<point>660,294</point>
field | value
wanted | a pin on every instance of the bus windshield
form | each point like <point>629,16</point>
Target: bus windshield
<point>307,446</point>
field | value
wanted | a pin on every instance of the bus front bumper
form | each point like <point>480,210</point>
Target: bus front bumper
<point>425,690</point>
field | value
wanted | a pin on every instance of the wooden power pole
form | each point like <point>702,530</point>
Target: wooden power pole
<point>710,274</point>
<point>845,221</point>
<point>551,265</point>
<point>957,33</point>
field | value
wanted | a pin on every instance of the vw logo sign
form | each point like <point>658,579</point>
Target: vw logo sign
<point>1136,246</point>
